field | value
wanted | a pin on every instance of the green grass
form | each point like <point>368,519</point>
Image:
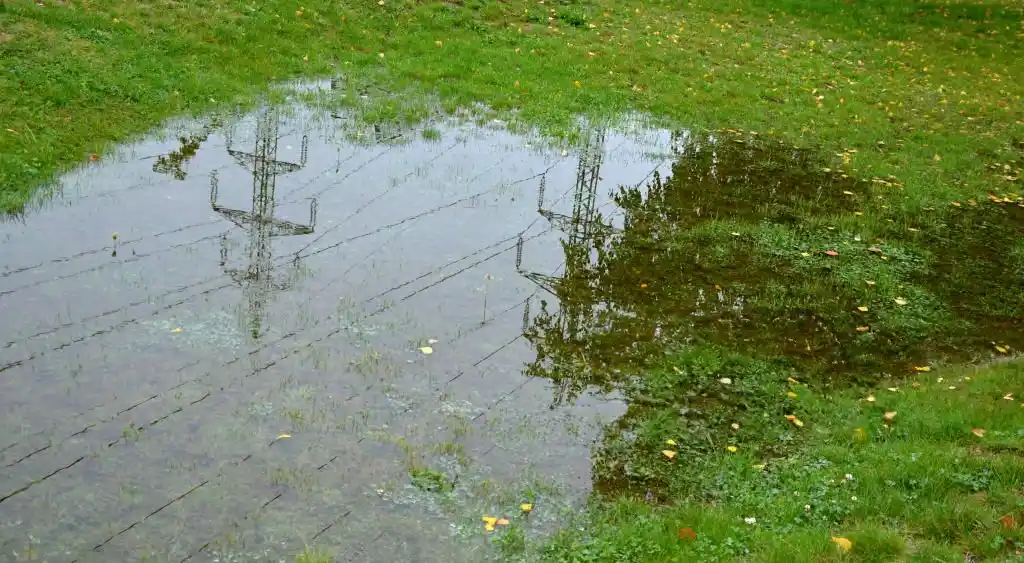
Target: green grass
<point>923,487</point>
<point>922,91</point>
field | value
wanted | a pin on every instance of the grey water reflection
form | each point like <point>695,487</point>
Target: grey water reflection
<point>257,277</point>
<point>299,340</point>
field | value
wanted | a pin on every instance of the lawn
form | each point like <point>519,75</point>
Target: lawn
<point>816,342</point>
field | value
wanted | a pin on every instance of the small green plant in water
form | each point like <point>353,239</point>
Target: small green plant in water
<point>431,480</point>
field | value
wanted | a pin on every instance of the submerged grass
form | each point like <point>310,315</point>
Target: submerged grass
<point>921,91</point>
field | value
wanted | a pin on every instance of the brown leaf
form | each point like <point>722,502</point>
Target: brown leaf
<point>832,253</point>
<point>1008,522</point>
<point>979,432</point>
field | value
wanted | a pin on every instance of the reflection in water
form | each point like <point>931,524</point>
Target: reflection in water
<point>258,277</point>
<point>729,250</point>
<point>727,264</point>
<point>573,322</point>
<point>175,162</point>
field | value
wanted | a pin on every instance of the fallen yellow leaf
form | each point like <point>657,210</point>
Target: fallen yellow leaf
<point>843,543</point>
<point>732,449</point>
<point>502,521</point>
<point>900,301</point>
<point>922,368</point>
<point>427,350</point>
<point>1001,350</point>
<point>526,507</point>
<point>668,454</point>
<point>888,416</point>
<point>862,309</point>
<point>283,436</point>
<point>796,421</point>
<point>863,329</point>
<point>670,442</point>
<point>791,394</point>
<point>179,329</point>
<point>979,432</point>
<point>870,398</point>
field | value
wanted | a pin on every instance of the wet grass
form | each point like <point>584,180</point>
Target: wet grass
<point>762,314</point>
<point>940,481</point>
<point>922,91</point>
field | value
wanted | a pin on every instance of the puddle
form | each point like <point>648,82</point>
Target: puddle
<point>254,334</point>
<point>219,351</point>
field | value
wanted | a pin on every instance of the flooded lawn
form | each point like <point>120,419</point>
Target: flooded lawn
<point>278,331</point>
<point>260,333</point>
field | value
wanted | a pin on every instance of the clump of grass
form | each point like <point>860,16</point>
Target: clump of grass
<point>313,555</point>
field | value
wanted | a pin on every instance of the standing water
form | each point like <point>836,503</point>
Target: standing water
<point>243,338</point>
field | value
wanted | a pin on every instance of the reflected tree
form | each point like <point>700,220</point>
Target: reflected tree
<point>175,162</point>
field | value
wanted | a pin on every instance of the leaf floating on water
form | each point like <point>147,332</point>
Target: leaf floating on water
<point>179,329</point>
<point>427,350</point>
<point>526,507</point>
<point>503,522</point>
<point>979,432</point>
<point>922,368</point>
<point>284,436</point>
<point>844,544</point>
<point>669,454</point>
<point>489,522</point>
<point>796,421</point>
